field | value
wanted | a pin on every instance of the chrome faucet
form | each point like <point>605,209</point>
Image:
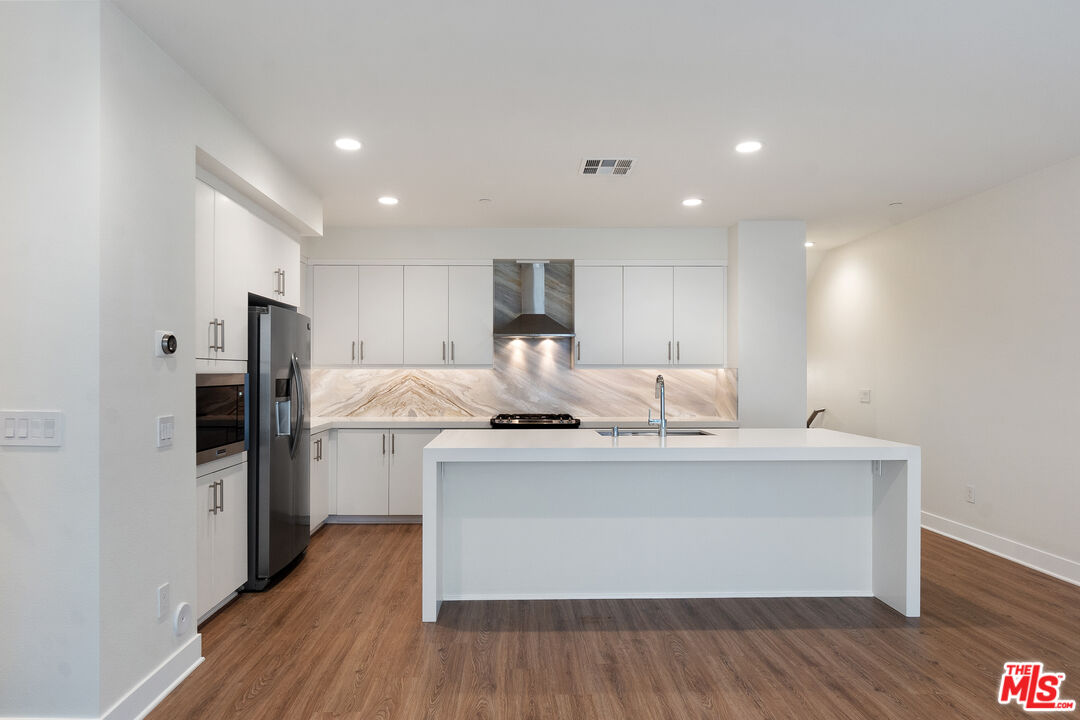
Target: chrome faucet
<point>662,420</point>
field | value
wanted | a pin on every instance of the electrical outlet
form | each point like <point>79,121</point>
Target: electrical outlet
<point>971,493</point>
<point>163,601</point>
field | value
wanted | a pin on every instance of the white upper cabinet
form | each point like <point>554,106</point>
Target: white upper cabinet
<point>426,315</point>
<point>335,315</point>
<point>598,315</point>
<point>275,263</point>
<point>205,347</point>
<point>471,300</point>
<point>357,315</point>
<point>380,334</point>
<point>647,316</point>
<point>700,315</point>
<point>236,252</point>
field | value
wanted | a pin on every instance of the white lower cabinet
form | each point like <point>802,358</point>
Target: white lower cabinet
<point>407,470</point>
<point>320,479</point>
<point>380,472</point>
<point>221,520</point>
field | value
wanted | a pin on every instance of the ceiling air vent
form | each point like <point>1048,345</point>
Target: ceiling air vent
<point>607,166</point>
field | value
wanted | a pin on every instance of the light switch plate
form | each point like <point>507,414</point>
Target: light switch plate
<point>31,428</point>
<point>864,395</point>
<point>166,426</point>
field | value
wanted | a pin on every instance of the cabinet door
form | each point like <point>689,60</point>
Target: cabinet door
<point>362,472</point>
<point>280,279</point>
<point>234,252</point>
<point>334,315</point>
<point>647,316</point>
<point>407,470</point>
<point>380,315</point>
<point>204,271</point>
<point>320,479</point>
<point>471,313</point>
<point>426,295</point>
<point>204,545</point>
<point>700,315</point>
<point>230,532</point>
<point>598,315</point>
<point>289,259</point>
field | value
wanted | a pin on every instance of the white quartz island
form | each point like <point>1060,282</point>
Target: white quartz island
<point>545,514</point>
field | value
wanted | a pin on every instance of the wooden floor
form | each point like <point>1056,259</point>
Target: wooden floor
<point>341,637</point>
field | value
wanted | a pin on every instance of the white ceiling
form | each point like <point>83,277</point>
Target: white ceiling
<point>860,103</point>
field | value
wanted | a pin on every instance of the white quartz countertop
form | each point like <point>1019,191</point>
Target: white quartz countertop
<point>319,424</point>
<point>734,444</point>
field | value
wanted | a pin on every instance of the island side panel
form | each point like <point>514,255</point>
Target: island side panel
<point>654,529</point>
<point>897,539</point>
<point>431,594</point>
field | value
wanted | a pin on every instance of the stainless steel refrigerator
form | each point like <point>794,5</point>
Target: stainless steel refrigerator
<point>279,370</point>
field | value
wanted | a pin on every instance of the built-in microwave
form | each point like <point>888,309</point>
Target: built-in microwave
<point>220,426</point>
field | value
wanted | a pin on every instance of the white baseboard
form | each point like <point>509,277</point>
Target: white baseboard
<point>704,594</point>
<point>1048,563</point>
<point>374,520</point>
<point>145,696</point>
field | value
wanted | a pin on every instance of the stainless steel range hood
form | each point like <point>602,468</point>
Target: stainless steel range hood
<point>533,322</point>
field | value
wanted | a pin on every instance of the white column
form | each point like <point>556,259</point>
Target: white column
<point>769,299</point>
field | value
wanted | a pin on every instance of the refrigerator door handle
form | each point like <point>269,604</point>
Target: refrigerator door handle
<point>298,431</point>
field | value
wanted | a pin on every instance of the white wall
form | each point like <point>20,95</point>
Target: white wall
<point>770,298</point>
<point>49,274</point>
<point>518,243</point>
<point>963,324</point>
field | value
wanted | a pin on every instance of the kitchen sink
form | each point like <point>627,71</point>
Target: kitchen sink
<point>653,433</point>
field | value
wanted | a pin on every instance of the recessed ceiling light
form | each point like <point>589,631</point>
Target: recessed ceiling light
<point>346,143</point>
<point>387,200</point>
<point>749,146</point>
<point>808,243</point>
<point>692,202</point>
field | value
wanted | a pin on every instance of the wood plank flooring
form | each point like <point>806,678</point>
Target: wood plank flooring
<point>341,637</point>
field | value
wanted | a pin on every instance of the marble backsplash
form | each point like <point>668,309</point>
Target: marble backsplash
<point>527,376</point>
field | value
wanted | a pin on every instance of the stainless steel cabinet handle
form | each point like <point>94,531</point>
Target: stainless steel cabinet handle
<point>578,349</point>
<point>222,347</point>
<point>282,282</point>
<point>678,350</point>
<point>451,351</point>
<point>318,449</point>
<point>221,495</point>
<point>211,334</point>
<point>384,444</point>
<point>277,282</point>
<point>213,498</point>
<point>352,354</point>
<point>444,350</point>
<point>361,351</point>
<point>669,350</point>
<point>393,443</point>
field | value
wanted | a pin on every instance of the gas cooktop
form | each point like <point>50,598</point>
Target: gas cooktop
<point>534,420</point>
